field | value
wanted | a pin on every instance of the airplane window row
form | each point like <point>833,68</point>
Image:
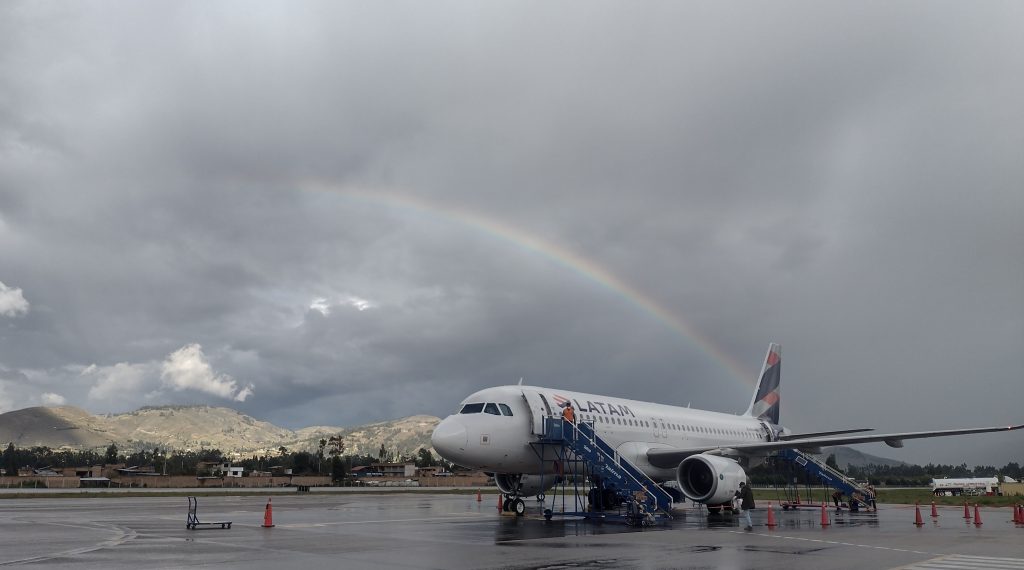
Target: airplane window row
<point>487,408</point>
<point>674,427</point>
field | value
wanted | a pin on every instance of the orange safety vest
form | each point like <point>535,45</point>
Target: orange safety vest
<point>569,415</point>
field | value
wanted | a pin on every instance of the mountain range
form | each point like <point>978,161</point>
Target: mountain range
<point>185,428</point>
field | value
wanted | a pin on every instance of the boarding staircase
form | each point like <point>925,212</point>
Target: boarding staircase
<point>602,460</point>
<point>828,476</point>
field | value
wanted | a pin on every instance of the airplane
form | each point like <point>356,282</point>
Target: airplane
<point>704,453</point>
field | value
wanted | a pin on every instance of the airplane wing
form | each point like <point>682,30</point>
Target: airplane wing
<point>668,458</point>
<point>787,437</point>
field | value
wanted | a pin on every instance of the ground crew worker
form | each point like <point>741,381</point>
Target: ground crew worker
<point>568,414</point>
<point>746,497</point>
<point>872,496</point>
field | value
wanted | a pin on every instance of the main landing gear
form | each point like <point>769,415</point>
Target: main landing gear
<point>514,504</point>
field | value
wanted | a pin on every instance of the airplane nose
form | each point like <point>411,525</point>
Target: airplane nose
<point>449,438</point>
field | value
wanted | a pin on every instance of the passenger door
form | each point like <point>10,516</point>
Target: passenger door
<point>539,409</point>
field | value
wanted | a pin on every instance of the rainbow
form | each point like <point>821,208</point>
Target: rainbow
<point>558,254</point>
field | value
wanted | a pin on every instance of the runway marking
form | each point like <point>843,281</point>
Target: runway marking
<point>965,562</point>
<point>942,562</point>
<point>822,541</point>
<point>125,535</point>
<point>427,519</point>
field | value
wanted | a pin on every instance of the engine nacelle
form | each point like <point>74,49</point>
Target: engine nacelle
<point>524,485</point>
<point>709,478</point>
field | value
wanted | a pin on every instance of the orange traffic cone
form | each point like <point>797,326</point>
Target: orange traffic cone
<point>1020,514</point>
<point>478,497</point>
<point>967,511</point>
<point>1016,515</point>
<point>824,515</point>
<point>268,516</point>
<point>935,512</point>
<point>771,517</point>
<point>500,503</point>
<point>917,514</point>
<point>977,515</point>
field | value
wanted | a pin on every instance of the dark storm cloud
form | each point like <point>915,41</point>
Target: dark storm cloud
<point>842,178</point>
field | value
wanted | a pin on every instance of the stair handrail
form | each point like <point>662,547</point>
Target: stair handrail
<point>832,471</point>
<point>647,487</point>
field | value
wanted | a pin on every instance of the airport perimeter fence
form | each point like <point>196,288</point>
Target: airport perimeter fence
<point>191,482</point>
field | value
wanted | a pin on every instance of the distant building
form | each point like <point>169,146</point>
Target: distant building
<point>83,471</point>
<point>395,469</point>
<point>138,471</point>
<point>220,468</point>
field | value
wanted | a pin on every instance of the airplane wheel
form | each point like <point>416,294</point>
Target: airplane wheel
<point>540,497</point>
<point>547,514</point>
<point>506,505</point>
<point>520,507</point>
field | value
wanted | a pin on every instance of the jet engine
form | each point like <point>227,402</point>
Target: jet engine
<point>709,478</point>
<point>524,485</point>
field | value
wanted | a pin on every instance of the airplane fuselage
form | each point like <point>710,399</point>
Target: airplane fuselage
<point>494,428</point>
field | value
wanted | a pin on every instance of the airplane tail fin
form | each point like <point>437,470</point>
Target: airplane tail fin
<point>765,403</point>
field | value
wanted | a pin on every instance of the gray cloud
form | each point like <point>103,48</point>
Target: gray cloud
<point>842,178</point>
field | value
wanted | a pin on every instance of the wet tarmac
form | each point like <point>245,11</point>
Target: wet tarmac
<point>397,530</point>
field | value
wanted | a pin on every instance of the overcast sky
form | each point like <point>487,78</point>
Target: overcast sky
<point>333,213</point>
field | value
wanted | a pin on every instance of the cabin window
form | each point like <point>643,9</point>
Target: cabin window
<point>505,410</point>
<point>472,409</point>
<point>492,409</point>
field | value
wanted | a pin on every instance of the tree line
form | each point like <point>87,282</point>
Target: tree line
<point>328,458</point>
<point>905,475</point>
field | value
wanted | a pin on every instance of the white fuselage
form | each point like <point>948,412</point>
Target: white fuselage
<point>496,436</point>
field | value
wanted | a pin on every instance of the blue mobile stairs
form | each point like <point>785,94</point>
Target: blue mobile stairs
<point>827,475</point>
<point>618,490</point>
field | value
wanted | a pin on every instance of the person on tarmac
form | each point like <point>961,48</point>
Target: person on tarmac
<point>746,497</point>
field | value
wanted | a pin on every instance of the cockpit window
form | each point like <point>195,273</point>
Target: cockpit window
<point>505,410</point>
<point>491,409</point>
<point>472,409</point>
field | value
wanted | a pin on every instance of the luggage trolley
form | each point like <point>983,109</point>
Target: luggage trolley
<point>192,523</point>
